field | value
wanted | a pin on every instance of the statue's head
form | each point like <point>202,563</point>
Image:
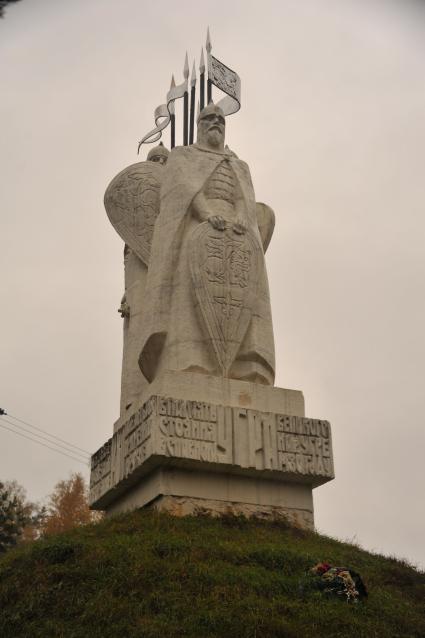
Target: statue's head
<point>158,154</point>
<point>211,127</point>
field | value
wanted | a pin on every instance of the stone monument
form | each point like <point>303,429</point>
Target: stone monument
<point>202,427</point>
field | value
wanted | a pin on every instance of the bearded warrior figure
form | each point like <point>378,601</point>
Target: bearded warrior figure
<point>199,237</point>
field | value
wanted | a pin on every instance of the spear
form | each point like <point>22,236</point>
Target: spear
<point>208,48</point>
<point>192,103</point>
<point>202,80</point>
<point>172,117</point>
<point>185,103</point>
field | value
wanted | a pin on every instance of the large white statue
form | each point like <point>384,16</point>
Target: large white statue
<point>196,291</point>
<point>207,299</point>
<point>201,426</point>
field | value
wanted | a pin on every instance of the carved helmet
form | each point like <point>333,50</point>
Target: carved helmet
<point>158,152</point>
<point>208,110</point>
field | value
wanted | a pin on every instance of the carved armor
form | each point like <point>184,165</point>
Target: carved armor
<point>220,190</point>
<point>221,184</point>
<point>209,307</point>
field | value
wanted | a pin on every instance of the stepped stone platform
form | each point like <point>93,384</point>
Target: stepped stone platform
<point>195,443</point>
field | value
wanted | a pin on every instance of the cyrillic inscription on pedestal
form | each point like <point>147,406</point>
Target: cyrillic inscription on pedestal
<point>190,429</point>
<point>101,466</point>
<point>227,439</point>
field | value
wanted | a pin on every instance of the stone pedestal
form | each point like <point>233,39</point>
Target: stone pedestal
<point>197,443</point>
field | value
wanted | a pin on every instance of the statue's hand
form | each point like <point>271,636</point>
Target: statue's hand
<point>239,226</point>
<point>217,222</point>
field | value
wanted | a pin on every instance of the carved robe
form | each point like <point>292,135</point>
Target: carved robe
<point>189,322</point>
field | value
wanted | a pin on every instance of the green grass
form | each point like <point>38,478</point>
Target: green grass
<point>150,575</point>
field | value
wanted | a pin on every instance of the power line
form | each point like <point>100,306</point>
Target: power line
<point>67,445</point>
<point>48,433</point>
<point>39,436</point>
<point>43,444</point>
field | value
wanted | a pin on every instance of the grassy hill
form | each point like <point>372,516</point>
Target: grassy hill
<point>149,575</point>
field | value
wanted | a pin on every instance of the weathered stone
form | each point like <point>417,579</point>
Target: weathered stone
<point>208,306</point>
<point>260,455</point>
<point>221,391</point>
<point>132,205</point>
<point>201,427</point>
<point>184,506</point>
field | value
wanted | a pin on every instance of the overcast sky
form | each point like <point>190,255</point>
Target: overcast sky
<point>332,125</point>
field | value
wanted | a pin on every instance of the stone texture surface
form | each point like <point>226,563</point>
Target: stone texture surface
<point>132,379</point>
<point>132,204</point>
<point>220,391</point>
<point>201,427</point>
<point>183,506</point>
<point>183,492</point>
<point>243,451</point>
<point>208,305</point>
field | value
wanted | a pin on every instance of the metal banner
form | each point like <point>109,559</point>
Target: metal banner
<point>227,81</point>
<point>163,112</point>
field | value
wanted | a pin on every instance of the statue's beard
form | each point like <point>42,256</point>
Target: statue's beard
<point>214,137</point>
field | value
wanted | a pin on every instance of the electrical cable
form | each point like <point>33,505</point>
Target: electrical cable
<point>48,433</point>
<point>39,436</point>
<point>43,444</point>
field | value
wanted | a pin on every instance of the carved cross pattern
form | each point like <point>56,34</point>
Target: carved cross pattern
<point>225,270</point>
<point>215,247</point>
<point>239,264</point>
<point>228,261</point>
<point>228,303</point>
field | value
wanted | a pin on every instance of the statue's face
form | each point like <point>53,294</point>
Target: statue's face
<point>211,129</point>
<point>161,159</point>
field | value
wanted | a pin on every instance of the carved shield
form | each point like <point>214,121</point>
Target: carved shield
<point>225,269</point>
<point>132,205</point>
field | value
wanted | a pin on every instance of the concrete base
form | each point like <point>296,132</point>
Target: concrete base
<point>183,506</point>
<point>195,442</point>
<point>183,492</point>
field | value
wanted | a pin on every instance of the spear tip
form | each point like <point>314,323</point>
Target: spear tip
<point>173,82</point>
<point>208,43</point>
<point>193,76</point>
<point>202,62</point>
<point>186,68</point>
